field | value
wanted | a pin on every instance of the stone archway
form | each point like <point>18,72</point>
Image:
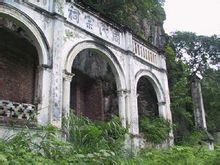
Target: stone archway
<point>160,95</point>
<point>36,89</point>
<point>107,56</point>
<point>158,98</point>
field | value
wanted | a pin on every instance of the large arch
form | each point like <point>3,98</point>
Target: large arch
<point>39,41</point>
<point>109,56</point>
<point>115,67</point>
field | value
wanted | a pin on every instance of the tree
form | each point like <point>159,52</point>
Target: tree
<point>143,17</point>
<point>211,96</point>
<point>181,103</point>
<point>199,53</point>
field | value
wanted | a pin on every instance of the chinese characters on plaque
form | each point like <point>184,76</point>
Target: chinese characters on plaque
<point>92,24</point>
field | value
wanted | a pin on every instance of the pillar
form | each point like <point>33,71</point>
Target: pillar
<point>162,109</point>
<point>67,78</point>
<point>199,112</point>
<point>57,74</point>
<point>42,93</point>
<point>122,94</point>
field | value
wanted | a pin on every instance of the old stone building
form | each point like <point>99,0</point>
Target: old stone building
<point>57,55</point>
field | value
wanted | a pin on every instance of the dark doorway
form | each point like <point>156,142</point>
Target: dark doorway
<point>93,88</point>
<point>147,99</point>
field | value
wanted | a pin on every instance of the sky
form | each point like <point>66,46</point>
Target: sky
<point>199,16</point>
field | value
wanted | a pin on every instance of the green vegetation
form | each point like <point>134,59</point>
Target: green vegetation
<point>93,143</point>
<point>211,97</point>
<point>142,16</point>
<point>177,155</point>
<point>188,56</point>
<point>87,142</point>
<point>126,9</point>
<point>87,136</point>
<point>155,130</point>
<point>181,102</point>
<point>196,51</point>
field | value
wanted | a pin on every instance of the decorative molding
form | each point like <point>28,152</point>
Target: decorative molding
<point>44,67</point>
<point>123,92</point>
<point>67,75</point>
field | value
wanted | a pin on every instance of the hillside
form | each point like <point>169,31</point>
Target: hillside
<point>144,17</point>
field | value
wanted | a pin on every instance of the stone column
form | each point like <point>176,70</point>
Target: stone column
<point>162,109</point>
<point>57,74</point>
<point>199,112</point>
<point>42,94</point>
<point>134,126</point>
<point>67,78</point>
<point>122,106</point>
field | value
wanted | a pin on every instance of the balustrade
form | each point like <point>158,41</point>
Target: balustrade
<point>142,51</point>
<point>14,110</point>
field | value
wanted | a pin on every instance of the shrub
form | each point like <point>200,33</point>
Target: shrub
<point>155,130</point>
<point>87,136</point>
<point>88,142</point>
<point>177,155</point>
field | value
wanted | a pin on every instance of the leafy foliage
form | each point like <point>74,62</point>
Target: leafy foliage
<point>32,147</point>
<point>151,9</point>
<point>198,52</point>
<point>155,130</point>
<point>181,102</point>
<point>88,142</point>
<point>211,97</point>
<point>144,17</point>
<point>87,136</point>
<point>176,155</point>
<point>44,146</point>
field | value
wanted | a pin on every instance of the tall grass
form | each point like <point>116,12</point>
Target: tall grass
<point>92,143</point>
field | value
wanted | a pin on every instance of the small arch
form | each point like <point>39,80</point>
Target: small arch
<point>154,81</point>
<point>150,98</point>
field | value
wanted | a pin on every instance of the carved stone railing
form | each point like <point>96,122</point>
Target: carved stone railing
<point>13,111</point>
<point>146,54</point>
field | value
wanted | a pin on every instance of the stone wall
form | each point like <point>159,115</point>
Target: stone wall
<point>17,68</point>
<point>87,97</point>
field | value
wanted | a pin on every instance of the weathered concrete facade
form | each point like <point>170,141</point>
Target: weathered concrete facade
<point>60,31</point>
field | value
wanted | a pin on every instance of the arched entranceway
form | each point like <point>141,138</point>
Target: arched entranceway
<point>151,100</point>
<point>98,80</point>
<point>23,59</point>
<point>93,87</point>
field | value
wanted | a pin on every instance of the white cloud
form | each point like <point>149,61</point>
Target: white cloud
<point>200,16</point>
